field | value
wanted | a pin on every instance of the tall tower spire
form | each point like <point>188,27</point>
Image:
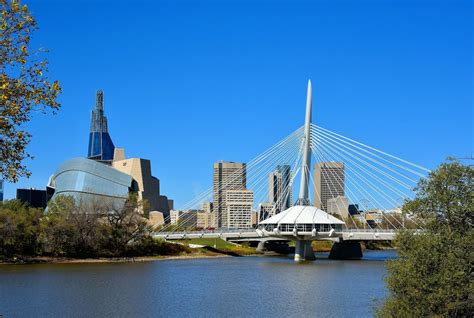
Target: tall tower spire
<point>306,163</point>
<point>99,100</point>
<point>101,146</point>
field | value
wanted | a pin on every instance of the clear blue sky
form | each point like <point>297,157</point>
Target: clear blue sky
<point>187,83</point>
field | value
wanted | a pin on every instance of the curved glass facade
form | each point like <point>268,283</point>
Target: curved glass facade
<point>90,181</point>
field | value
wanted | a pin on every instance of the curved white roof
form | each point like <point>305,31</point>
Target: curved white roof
<point>302,214</point>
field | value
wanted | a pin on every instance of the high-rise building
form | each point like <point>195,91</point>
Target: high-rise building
<point>338,206</point>
<point>329,182</point>
<point>239,205</point>
<point>227,176</point>
<point>207,207</point>
<point>254,219</point>
<point>1,190</point>
<point>279,188</point>
<point>265,210</point>
<point>174,216</point>
<point>101,146</point>
<point>184,219</point>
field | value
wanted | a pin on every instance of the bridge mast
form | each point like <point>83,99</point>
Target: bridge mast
<point>306,163</point>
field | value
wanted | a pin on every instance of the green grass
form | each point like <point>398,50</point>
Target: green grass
<point>322,246</point>
<point>219,243</point>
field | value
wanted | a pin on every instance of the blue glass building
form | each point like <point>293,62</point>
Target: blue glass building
<point>101,146</point>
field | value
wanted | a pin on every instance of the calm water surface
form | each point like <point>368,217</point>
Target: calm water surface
<point>219,287</point>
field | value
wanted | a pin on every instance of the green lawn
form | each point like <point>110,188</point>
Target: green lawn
<point>222,245</point>
<point>219,243</point>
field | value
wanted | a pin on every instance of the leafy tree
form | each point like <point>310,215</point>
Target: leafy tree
<point>126,224</point>
<point>446,198</point>
<point>78,229</point>
<point>73,229</point>
<point>432,275</point>
<point>19,229</point>
<point>25,88</point>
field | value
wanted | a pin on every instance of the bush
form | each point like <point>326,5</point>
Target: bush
<point>19,229</point>
<point>149,246</point>
<point>432,276</point>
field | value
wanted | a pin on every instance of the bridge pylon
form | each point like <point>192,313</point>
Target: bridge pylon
<point>303,223</point>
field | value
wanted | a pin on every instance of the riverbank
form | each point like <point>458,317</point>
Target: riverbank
<point>224,250</point>
<point>193,253</point>
<point>68,260</point>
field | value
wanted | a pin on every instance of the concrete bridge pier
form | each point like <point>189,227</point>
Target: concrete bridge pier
<point>346,250</point>
<point>261,247</point>
<point>304,251</point>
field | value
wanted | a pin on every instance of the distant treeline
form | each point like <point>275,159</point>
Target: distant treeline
<point>78,231</point>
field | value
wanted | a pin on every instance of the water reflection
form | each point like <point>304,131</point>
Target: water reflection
<point>232,287</point>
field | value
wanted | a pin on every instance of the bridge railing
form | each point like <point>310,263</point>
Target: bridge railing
<point>370,230</point>
<point>218,231</point>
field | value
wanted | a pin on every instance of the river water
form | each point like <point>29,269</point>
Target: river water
<point>216,287</point>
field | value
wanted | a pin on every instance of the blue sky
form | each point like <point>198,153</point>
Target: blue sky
<point>188,83</point>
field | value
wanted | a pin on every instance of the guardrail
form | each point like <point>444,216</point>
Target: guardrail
<point>229,231</point>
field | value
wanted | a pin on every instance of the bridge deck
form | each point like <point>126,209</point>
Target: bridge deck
<point>346,235</point>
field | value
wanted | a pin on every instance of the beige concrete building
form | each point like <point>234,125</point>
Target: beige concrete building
<point>156,218</point>
<point>184,219</point>
<point>329,182</point>
<point>239,205</point>
<point>207,207</point>
<point>144,183</point>
<point>227,176</point>
<point>338,206</point>
<point>174,216</point>
<point>254,218</point>
<point>202,220</point>
<point>374,215</point>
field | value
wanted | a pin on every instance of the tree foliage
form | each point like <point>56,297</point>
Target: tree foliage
<point>432,275</point>
<point>25,88</point>
<point>445,198</point>
<point>19,229</point>
<point>74,229</point>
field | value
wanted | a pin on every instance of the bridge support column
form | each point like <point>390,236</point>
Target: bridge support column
<point>346,250</point>
<point>304,251</point>
<point>261,247</point>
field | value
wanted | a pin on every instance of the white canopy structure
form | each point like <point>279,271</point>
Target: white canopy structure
<point>302,214</point>
<point>302,222</point>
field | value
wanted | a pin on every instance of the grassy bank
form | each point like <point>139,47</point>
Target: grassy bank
<point>325,246</point>
<point>222,245</point>
<point>322,246</point>
<point>67,260</point>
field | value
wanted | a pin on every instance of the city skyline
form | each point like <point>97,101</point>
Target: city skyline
<point>236,150</point>
<point>270,100</point>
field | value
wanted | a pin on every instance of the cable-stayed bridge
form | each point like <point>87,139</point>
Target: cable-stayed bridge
<point>353,193</point>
